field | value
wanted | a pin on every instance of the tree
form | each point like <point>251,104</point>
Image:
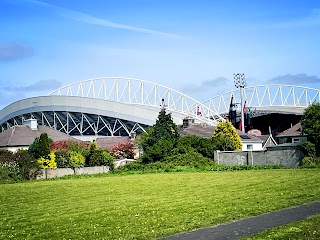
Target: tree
<point>225,137</point>
<point>310,123</point>
<point>76,160</point>
<point>40,146</point>
<point>162,134</point>
<point>164,129</point>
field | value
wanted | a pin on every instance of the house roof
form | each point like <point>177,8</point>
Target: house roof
<point>24,135</point>
<point>204,130</point>
<point>109,142</point>
<point>295,130</point>
<point>268,140</point>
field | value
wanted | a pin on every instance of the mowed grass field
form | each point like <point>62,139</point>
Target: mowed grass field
<point>147,206</point>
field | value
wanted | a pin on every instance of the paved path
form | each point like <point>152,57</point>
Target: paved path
<point>250,226</point>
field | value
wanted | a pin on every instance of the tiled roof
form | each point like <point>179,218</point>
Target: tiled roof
<point>109,142</point>
<point>203,130</point>
<point>24,135</point>
<point>291,132</point>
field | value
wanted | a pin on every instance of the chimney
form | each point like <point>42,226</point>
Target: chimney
<point>186,122</point>
<point>133,135</point>
<point>31,123</point>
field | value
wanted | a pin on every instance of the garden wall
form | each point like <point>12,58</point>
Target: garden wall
<point>60,172</point>
<point>287,156</point>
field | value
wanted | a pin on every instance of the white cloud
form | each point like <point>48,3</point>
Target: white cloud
<point>89,19</point>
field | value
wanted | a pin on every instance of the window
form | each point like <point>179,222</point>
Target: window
<point>249,147</point>
<point>295,140</point>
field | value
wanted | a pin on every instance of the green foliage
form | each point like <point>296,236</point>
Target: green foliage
<point>157,151</point>
<point>76,160</point>
<point>9,172</point>
<point>40,148</point>
<point>28,165</point>
<point>164,129</point>
<point>160,138</point>
<point>311,162</point>
<point>99,157</point>
<point>204,146</point>
<point>226,138</point>
<point>6,156</point>
<point>62,159</point>
<point>310,122</point>
<point>17,166</point>
<point>308,149</point>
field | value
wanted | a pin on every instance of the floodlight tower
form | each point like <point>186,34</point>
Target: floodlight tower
<point>240,82</point>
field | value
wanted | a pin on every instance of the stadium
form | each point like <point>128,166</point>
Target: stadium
<point>115,106</point>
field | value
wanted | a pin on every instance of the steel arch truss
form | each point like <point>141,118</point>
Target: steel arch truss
<point>136,91</point>
<point>82,124</point>
<point>278,97</point>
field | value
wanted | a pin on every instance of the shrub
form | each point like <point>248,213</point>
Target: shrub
<point>62,159</point>
<point>312,162</point>
<point>70,145</point>
<point>204,146</point>
<point>9,172</point>
<point>48,162</point>
<point>28,165</point>
<point>158,151</point>
<point>123,150</point>
<point>308,149</point>
<point>6,156</point>
<point>99,157</point>
<point>76,160</point>
<point>226,138</point>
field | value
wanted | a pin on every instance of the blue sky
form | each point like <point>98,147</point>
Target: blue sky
<point>191,46</point>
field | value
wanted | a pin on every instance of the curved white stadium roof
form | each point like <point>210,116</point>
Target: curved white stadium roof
<point>118,106</point>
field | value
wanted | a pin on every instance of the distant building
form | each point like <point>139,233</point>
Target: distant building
<point>292,135</point>
<point>22,136</point>
<point>268,141</point>
<point>189,128</point>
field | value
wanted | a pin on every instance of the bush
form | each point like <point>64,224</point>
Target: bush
<point>226,138</point>
<point>6,156</point>
<point>123,150</point>
<point>62,159</point>
<point>99,157</point>
<point>308,149</point>
<point>76,160</point>
<point>158,151</point>
<point>204,146</point>
<point>47,161</point>
<point>70,145</point>
<point>28,165</point>
<point>9,172</point>
<point>311,162</point>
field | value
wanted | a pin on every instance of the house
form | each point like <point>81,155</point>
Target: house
<point>22,136</point>
<point>292,135</point>
<point>268,141</point>
<point>190,128</point>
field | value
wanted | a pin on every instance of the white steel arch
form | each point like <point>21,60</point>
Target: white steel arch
<point>269,98</point>
<point>140,92</point>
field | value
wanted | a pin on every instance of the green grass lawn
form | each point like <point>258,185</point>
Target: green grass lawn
<point>307,229</point>
<point>147,206</point>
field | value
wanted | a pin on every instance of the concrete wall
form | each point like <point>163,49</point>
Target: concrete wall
<point>60,172</point>
<point>288,156</point>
